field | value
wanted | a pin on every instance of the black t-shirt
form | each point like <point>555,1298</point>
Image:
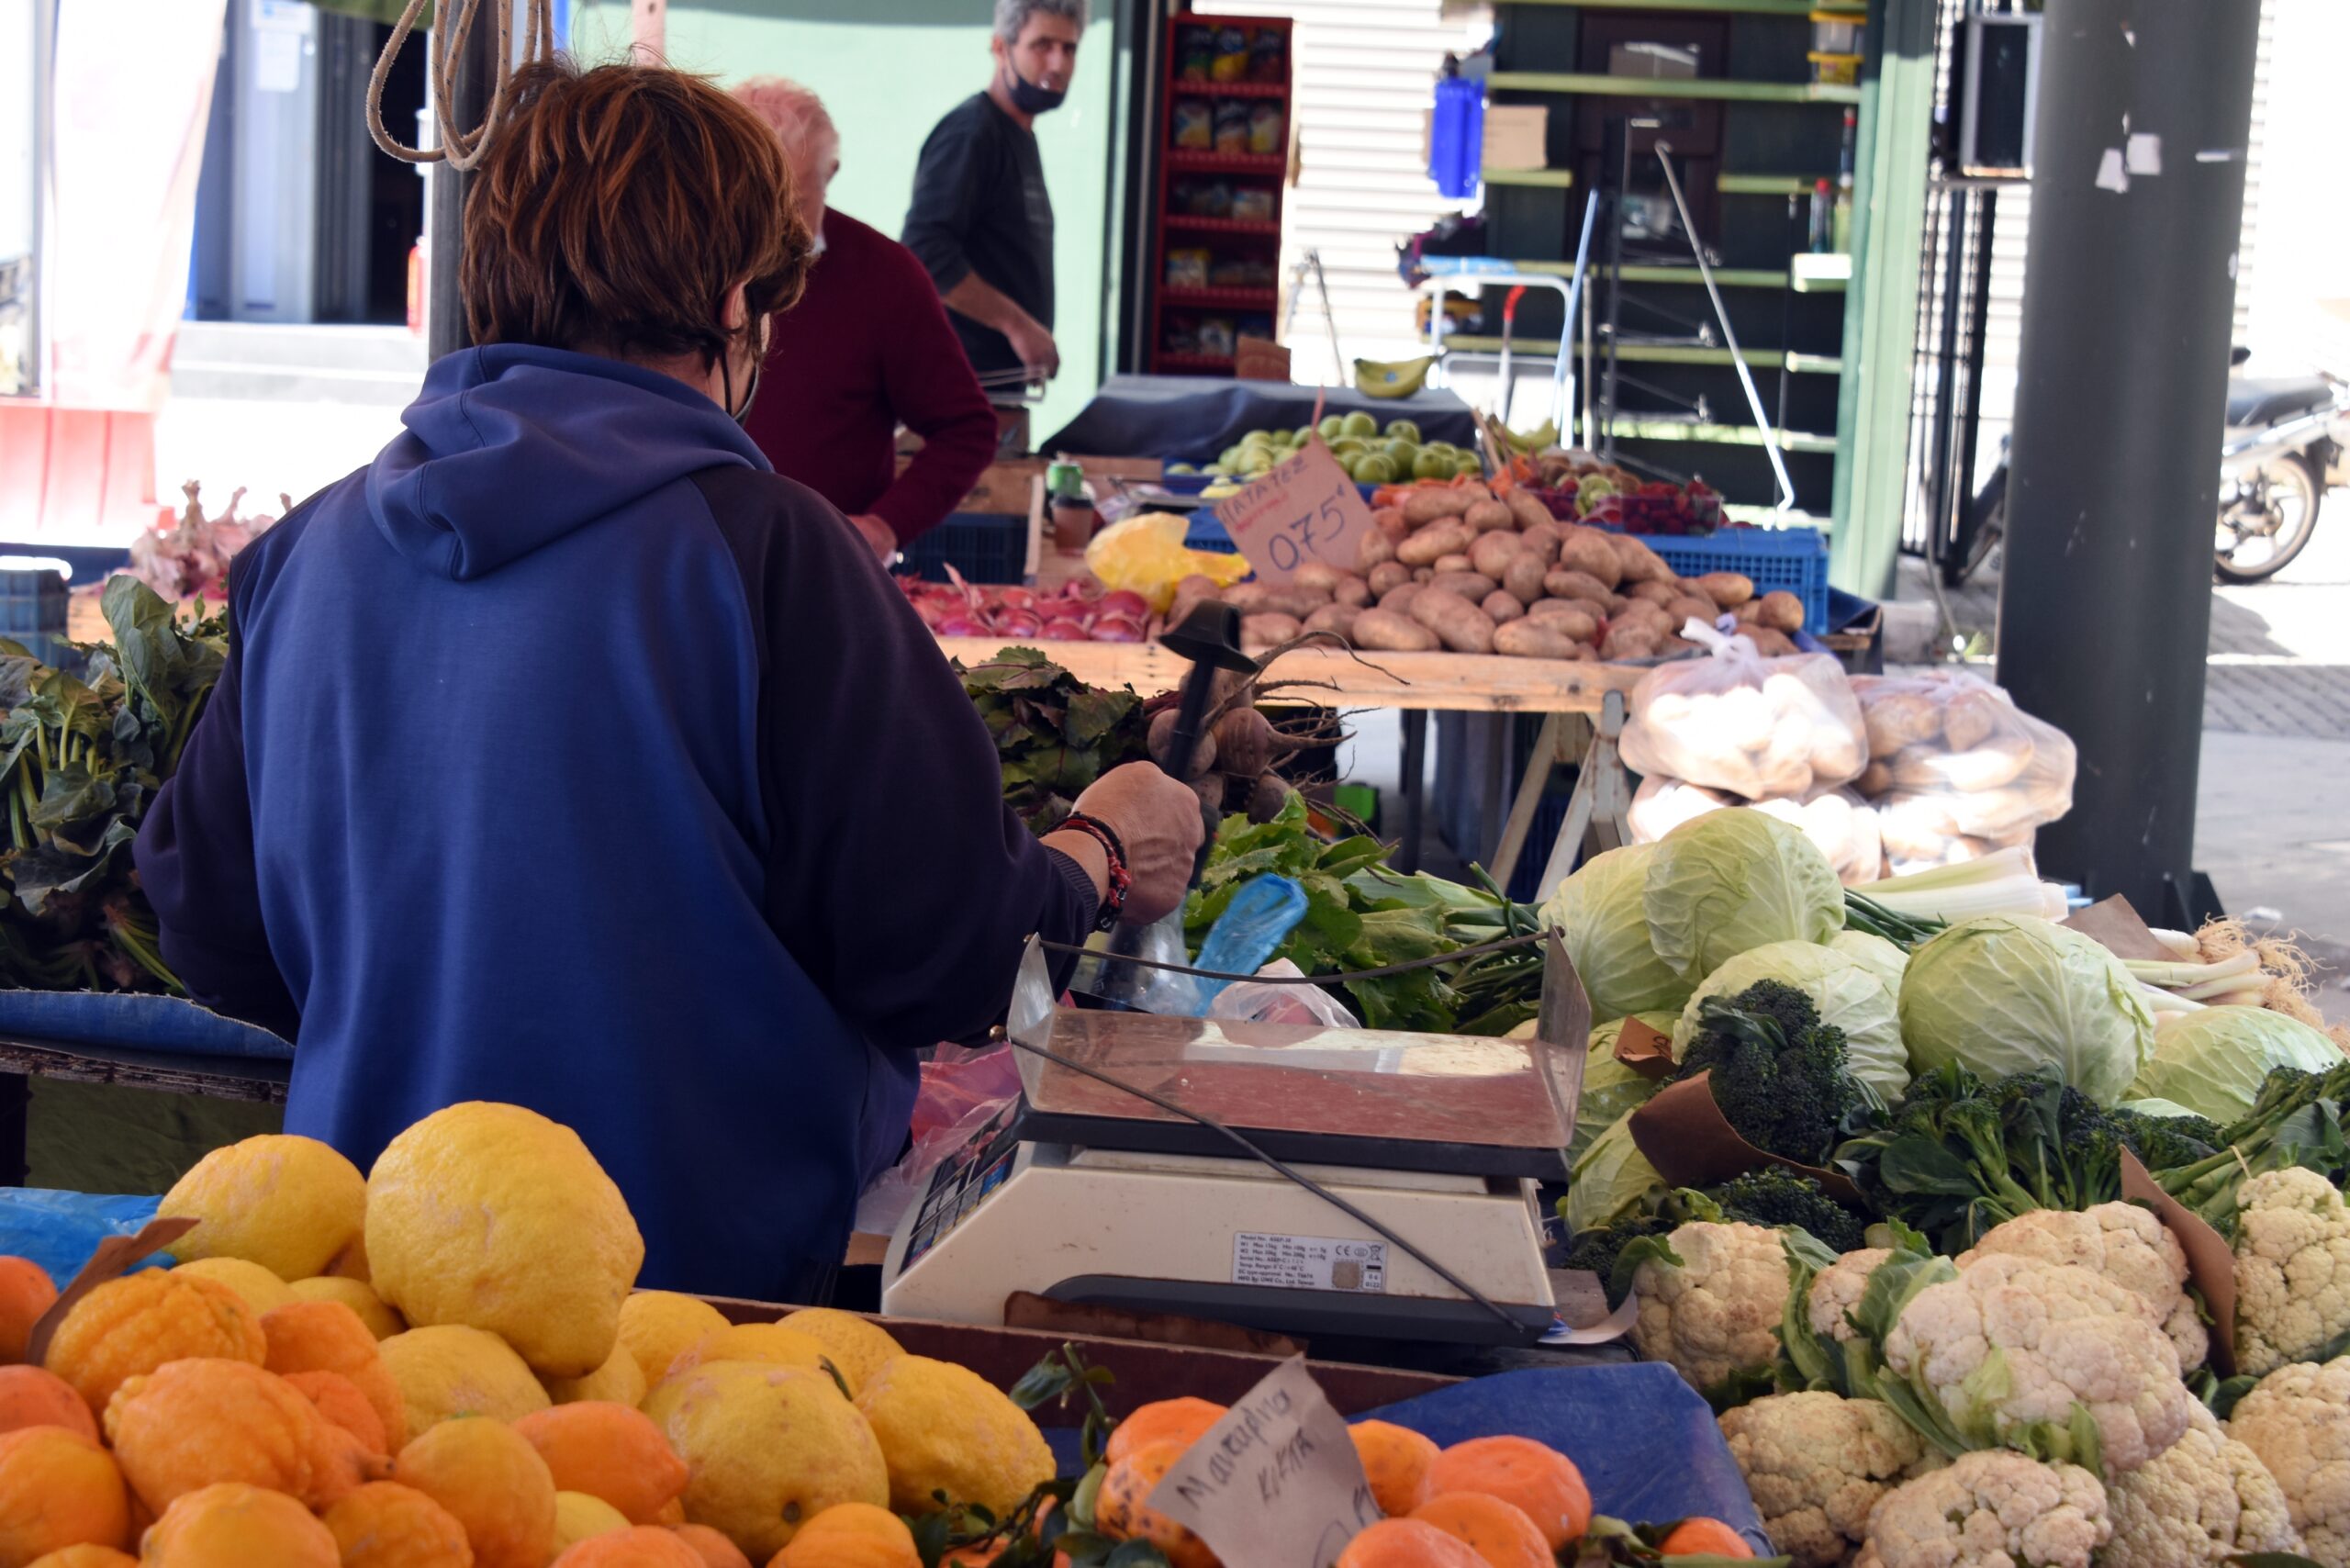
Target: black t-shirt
<point>980,206</point>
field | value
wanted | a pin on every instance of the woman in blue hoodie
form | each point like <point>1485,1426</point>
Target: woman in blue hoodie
<point>568,755</point>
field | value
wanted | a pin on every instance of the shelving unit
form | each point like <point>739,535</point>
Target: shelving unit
<point>1212,269</point>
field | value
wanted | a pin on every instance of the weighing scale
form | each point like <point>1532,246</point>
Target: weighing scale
<point>1085,1194</point>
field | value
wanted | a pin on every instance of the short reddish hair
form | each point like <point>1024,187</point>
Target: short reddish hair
<point>616,209</point>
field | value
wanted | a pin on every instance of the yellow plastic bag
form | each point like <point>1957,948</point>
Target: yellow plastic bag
<point>1145,554</point>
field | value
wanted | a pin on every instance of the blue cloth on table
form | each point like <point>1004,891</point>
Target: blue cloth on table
<point>60,1230</point>
<point>132,1021</point>
<point>1195,417</point>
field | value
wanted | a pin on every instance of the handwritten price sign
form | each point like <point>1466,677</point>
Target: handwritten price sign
<point>1305,509</point>
<point>1277,1483</point>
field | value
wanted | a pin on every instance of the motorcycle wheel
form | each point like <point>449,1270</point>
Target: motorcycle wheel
<point>2280,512</point>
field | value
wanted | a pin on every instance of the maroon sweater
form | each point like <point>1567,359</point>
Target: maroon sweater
<point>866,349</point>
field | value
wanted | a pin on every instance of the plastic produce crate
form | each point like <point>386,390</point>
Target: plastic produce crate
<point>1794,559</point>
<point>33,607</point>
<point>1207,533</point>
<point>986,547</point>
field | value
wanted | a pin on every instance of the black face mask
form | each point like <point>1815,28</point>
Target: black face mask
<point>750,389</point>
<point>1031,99</point>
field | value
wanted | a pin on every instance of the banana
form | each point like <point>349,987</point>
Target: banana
<point>1400,379</point>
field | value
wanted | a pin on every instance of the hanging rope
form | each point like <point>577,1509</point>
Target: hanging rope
<point>458,148</point>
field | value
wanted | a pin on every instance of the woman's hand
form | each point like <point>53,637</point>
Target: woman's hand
<point>1159,822</point>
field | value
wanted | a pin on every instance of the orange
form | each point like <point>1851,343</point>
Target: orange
<point>136,1323</point>
<point>26,1291</point>
<point>385,1525</point>
<point>339,1462</point>
<point>851,1535</point>
<point>235,1526</point>
<point>84,1557</point>
<point>58,1489</point>
<point>327,1335</point>
<point>671,1513</point>
<point>31,1397</point>
<point>1407,1543</point>
<point>715,1550</point>
<point>488,1476</point>
<point>639,1546</point>
<point>200,1422</point>
<point>1699,1535</point>
<point>1497,1531</point>
<point>1184,1420</point>
<point>1123,1511</point>
<point>338,1399</point>
<point>610,1452</point>
<point>1543,1483</point>
<point>1395,1462</point>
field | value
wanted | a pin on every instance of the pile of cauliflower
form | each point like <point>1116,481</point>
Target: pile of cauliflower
<point>2027,1403</point>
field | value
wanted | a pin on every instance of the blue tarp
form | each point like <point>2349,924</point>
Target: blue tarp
<point>1192,418</point>
<point>135,1022</point>
<point>60,1230</point>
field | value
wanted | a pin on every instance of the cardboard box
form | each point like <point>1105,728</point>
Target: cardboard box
<point>1516,136</point>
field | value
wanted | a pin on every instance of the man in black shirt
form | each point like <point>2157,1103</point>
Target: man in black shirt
<point>981,220</point>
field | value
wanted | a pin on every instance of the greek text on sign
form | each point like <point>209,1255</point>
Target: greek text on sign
<point>1275,1483</point>
<point>1302,511</point>
<point>1309,1263</point>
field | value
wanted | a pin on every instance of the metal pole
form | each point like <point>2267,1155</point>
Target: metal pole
<point>2143,118</point>
<point>445,306</point>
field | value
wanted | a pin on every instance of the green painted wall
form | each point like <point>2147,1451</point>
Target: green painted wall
<point>887,69</point>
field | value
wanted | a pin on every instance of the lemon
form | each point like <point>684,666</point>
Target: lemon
<point>617,1381</point>
<point>578,1516</point>
<point>448,1370</point>
<point>658,1327</point>
<point>356,1295</point>
<point>263,1291</point>
<point>770,1343</point>
<point>288,1203</point>
<point>945,1429</point>
<point>857,1346</point>
<point>495,1218</point>
<point>770,1448</point>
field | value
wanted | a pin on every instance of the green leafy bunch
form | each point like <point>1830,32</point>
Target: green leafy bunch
<point>1054,733</point>
<point>2296,1119</point>
<point>81,760</point>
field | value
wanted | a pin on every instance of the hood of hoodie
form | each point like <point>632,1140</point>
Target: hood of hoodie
<point>510,447</point>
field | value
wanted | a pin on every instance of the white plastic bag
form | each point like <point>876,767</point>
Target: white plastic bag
<point>1246,1002</point>
<point>1763,729</point>
<point>1836,820</point>
<point>1957,770</point>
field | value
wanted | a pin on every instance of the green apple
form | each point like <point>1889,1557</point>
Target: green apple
<point>1333,426</point>
<point>1403,430</point>
<point>1360,424</point>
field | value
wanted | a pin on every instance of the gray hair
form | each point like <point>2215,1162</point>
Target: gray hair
<point>1011,15</point>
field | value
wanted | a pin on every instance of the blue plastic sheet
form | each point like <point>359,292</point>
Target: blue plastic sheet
<point>60,1230</point>
<point>130,1022</point>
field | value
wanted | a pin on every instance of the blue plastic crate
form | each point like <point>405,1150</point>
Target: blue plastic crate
<point>1794,559</point>
<point>1207,533</point>
<point>32,601</point>
<point>986,547</point>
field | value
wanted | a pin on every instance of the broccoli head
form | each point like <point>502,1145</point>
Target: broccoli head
<point>1778,1074</point>
<point>1775,1196</point>
<point>2162,1142</point>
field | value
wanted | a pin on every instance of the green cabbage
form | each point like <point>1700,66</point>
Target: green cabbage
<point>1610,1089</point>
<point>1847,992</point>
<point>1730,881</point>
<point>2002,994</point>
<point>1611,1179</point>
<point>2213,1061</point>
<point>1597,911</point>
<point>2164,1109</point>
<point>1875,954</point>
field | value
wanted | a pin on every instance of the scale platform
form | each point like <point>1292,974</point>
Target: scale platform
<point>1083,1193</point>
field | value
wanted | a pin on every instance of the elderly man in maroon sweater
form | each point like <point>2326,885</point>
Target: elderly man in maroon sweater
<point>867,348</point>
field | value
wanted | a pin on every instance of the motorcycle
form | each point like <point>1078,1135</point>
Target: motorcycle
<point>2287,442</point>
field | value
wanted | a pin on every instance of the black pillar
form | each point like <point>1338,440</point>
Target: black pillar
<point>2121,387</point>
<point>476,75</point>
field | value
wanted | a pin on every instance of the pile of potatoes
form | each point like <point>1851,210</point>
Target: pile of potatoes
<point>1457,567</point>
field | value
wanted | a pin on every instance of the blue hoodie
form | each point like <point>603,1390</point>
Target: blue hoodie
<point>568,756</point>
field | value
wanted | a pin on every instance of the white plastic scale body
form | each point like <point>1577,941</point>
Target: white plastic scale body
<point>1082,1193</point>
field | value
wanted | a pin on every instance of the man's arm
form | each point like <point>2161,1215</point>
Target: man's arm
<point>990,306</point>
<point>930,388</point>
<point>951,182</point>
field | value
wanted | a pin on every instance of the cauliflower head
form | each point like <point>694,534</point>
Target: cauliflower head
<point>1718,1311</point>
<point>2048,1357</point>
<point>1838,1289</point>
<point>2204,1498</point>
<point>2121,1241</point>
<point>1816,1463</point>
<point>2297,1420</point>
<point>1989,1510</point>
<point>2292,1269</point>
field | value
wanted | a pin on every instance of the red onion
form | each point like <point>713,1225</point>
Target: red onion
<point>1015,598</point>
<point>1117,628</point>
<point>1132,606</point>
<point>1063,630</point>
<point>1018,624</point>
<point>960,626</point>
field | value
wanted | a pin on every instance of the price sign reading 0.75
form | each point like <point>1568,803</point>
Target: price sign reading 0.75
<point>1304,510</point>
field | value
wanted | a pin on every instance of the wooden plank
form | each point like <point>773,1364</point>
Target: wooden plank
<point>1466,683</point>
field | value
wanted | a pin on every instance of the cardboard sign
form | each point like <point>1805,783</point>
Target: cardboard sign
<point>114,1255</point>
<point>1277,1483</point>
<point>2211,1261</point>
<point>1684,1135</point>
<point>1302,511</point>
<point>1646,1050</point>
<point>2115,926</point>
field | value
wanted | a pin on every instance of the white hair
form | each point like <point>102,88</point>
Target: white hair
<point>1011,15</point>
<point>796,115</point>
